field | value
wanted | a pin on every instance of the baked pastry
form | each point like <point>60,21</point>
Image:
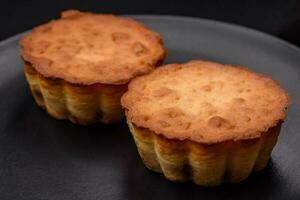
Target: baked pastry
<point>203,121</point>
<point>78,66</point>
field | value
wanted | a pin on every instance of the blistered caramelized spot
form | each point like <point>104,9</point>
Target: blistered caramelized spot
<point>146,118</point>
<point>61,40</point>
<point>119,37</point>
<point>162,92</point>
<point>187,125</point>
<point>223,103</point>
<point>121,48</point>
<point>164,124</point>
<point>96,33</point>
<point>199,72</point>
<point>239,100</point>
<point>219,122</point>
<point>58,47</point>
<point>247,109</point>
<point>206,88</point>
<point>184,125</point>
<point>139,49</point>
<point>265,111</point>
<point>43,45</point>
<point>240,90</point>
<point>247,119</point>
<point>144,87</point>
<point>174,112</point>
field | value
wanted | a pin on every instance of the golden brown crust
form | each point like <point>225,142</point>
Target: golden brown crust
<point>205,102</point>
<point>87,48</point>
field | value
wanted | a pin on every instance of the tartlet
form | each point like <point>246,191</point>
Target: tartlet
<point>203,121</point>
<point>78,66</point>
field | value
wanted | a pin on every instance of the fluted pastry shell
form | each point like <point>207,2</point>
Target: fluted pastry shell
<point>81,104</point>
<point>204,164</point>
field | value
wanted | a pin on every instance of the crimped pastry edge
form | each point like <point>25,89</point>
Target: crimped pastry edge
<point>204,164</point>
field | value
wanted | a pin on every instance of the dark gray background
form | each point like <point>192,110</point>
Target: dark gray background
<point>42,158</point>
<point>277,17</point>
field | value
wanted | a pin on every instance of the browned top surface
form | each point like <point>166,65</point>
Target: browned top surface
<point>88,48</point>
<point>205,102</point>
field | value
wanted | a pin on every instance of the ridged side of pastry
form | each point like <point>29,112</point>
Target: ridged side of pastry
<point>204,164</point>
<point>79,103</point>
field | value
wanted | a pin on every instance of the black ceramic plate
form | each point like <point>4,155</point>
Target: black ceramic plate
<point>43,158</point>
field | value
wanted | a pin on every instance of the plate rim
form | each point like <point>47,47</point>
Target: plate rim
<point>228,25</point>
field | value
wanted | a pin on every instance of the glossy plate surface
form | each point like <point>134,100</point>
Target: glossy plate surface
<point>43,158</point>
